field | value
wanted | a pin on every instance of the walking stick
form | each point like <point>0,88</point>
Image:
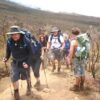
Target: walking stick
<point>46,77</point>
<point>45,73</point>
<point>7,70</point>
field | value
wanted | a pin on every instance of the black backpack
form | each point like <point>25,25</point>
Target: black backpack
<point>35,44</point>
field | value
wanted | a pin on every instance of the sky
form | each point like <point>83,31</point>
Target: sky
<point>84,7</point>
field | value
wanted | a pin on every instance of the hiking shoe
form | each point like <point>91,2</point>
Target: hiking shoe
<point>16,96</point>
<point>75,88</point>
<point>37,84</point>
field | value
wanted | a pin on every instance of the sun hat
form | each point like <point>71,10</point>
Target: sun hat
<point>14,30</point>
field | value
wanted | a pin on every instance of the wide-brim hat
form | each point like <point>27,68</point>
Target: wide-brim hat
<point>15,30</point>
<point>54,29</point>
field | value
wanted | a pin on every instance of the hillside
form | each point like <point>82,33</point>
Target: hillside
<point>11,14</point>
<point>37,18</point>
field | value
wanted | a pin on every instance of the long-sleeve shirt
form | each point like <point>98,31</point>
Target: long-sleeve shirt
<point>20,51</point>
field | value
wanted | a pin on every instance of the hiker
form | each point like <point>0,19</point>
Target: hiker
<point>20,49</point>
<point>36,57</point>
<point>43,38</point>
<point>36,60</point>
<point>43,42</point>
<point>55,45</point>
<point>78,63</point>
<point>66,48</point>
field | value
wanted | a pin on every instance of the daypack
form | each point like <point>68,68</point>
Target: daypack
<point>83,49</point>
<point>67,44</point>
<point>59,34</point>
<point>27,33</point>
<point>36,47</point>
<point>35,44</point>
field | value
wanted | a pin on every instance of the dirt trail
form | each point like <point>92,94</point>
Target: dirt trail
<point>59,85</point>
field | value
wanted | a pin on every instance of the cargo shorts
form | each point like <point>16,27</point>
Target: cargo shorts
<point>79,67</point>
<point>18,72</point>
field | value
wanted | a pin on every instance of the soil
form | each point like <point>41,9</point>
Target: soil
<point>58,87</point>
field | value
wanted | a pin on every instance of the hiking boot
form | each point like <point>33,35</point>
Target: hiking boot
<point>59,69</point>
<point>28,92</point>
<point>82,86</point>
<point>16,96</point>
<point>75,88</point>
<point>37,84</point>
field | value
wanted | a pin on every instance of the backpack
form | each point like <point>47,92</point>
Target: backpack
<point>36,47</point>
<point>27,33</point>
<point>67,44</point>
<point>83,49</point>
<point>59,34</point>
<point>35,44</point>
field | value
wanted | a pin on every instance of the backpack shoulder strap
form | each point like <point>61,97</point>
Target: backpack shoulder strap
<point>26,41</point>
<point>59,38</point>
<point>9,42</point>
<point>51,37</point>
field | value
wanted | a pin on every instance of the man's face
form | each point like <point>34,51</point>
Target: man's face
<point>55,33</point>
<point>16,36</point>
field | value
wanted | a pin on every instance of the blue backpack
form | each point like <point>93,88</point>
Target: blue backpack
<point>67,44</point>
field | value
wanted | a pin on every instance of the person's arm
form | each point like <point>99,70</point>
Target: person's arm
<point>62,42</point>
<point>72,51</point>
<point>42,53</point>
<point>49,43</point>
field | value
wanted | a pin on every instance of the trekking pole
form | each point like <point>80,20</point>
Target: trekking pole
<point>43,65</point>
<point>7,70</point>
<point>45,74</point>
<point>8,75</point>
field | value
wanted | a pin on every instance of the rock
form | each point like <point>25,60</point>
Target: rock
<point>46,90</point>
<point>52,90</point>
<point>76,98</point>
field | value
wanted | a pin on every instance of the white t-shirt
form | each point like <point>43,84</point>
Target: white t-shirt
<point>55,42</point>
